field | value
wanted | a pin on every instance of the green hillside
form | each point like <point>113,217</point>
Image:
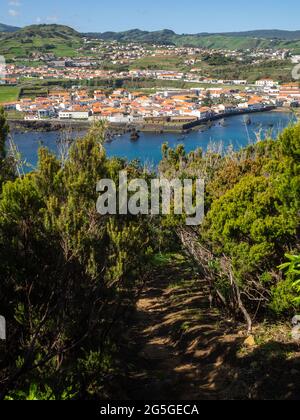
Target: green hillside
<point>266,34</point>
<point>8,93</point>
<point>27,42</point>
<point>63,41</point>
<point>8,28</point>
<point>238,40</point>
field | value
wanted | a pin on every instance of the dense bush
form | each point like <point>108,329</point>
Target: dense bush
<point>252,212</point>
<point>67,274</point>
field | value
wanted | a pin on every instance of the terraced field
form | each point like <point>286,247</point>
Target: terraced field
<point>9,93</point>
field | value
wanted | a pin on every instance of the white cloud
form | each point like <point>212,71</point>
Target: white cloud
<point>14,3</point>
<point>38,20</point>
<point>13,12</point>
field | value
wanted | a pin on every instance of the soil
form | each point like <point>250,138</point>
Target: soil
<point>177,347</point>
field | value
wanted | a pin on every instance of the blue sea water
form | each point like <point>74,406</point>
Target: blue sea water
<point>147,149</point>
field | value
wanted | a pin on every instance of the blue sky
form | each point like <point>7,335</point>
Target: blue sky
<point>183,16</point>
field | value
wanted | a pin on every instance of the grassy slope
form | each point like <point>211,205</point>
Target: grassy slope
<point>279,70</point>
<point>56,39</point>
<point>232,43</point>
<point>218,41</point>
<point>64,41</point>
<point>161,62</point>
<point>8,93</point>
<point>8,28</point>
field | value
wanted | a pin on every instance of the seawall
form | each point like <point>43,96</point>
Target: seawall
<point>56,125</point>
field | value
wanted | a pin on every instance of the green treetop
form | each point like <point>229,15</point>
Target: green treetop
<point>4,129</point>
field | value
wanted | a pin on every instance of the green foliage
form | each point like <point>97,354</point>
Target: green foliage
<point>7,165</point>
<point>9,93</point>
<point>283,297</point>
<point>249,223</point>
<point>252,214</point>
<point>36,394</point>
<point>292,272</point>
<point>4,129</point>
<point>66,273</point>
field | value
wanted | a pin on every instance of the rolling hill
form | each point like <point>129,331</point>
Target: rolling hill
<point>63,41</point>
<point>234,40</point>
<point>8,28</point>
<point>31,40</point>
<point>265,34</point>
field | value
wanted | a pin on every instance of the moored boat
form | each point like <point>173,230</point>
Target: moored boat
<point>134,135</point>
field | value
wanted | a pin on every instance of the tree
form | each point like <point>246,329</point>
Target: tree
<point>67,273</point>
<point>7,165</point>
<point>252,219</point>
<point>287,293</point>
<point>4,130</point>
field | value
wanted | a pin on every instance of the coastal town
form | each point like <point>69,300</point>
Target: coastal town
<point>148,85</point>
<point>170,105</point>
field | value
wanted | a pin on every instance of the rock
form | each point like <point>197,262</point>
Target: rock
<point>250,341</point>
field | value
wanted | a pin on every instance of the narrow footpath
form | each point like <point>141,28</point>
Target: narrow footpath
<point>179,348</point>
<point>178,344</point>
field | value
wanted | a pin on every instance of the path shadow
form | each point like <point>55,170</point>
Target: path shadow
<point>178,348</point>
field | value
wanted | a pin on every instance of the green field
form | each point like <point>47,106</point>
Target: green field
<point>9,93</point>
<point>160,62</point>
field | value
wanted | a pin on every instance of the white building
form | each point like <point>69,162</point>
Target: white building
<point>118,119</point>
<point>73,115</point>
<point>265,83</point>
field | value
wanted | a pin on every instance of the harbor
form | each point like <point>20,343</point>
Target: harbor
<point>156,125</point>
<point>231,132</point>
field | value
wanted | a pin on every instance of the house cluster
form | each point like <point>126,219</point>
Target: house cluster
<point>256,54</point>
<point>122,106</point>
<point>58,71</point>
<point>115,52</point>
<point>289,94</point>
<point>81,70</point>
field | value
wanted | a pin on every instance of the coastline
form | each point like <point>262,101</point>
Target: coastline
<point>24,126</point>
<point>234,133</point>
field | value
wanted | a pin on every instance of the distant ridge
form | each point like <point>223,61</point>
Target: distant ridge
<point>63,40</point>
<point>261,34</point>
<point>58,40</point>
<point>43,30</point>
<point>167,33</point>
<point>266,34</point>
<point>8,28</point>
<point>264,39</point>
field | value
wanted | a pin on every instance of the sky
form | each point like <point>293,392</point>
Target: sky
<point>182,16</point>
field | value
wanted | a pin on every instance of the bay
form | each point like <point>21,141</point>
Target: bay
<point>232,132</point>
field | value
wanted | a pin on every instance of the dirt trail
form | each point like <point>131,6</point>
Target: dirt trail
<point>178,344</point>
<point>177,348</point>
